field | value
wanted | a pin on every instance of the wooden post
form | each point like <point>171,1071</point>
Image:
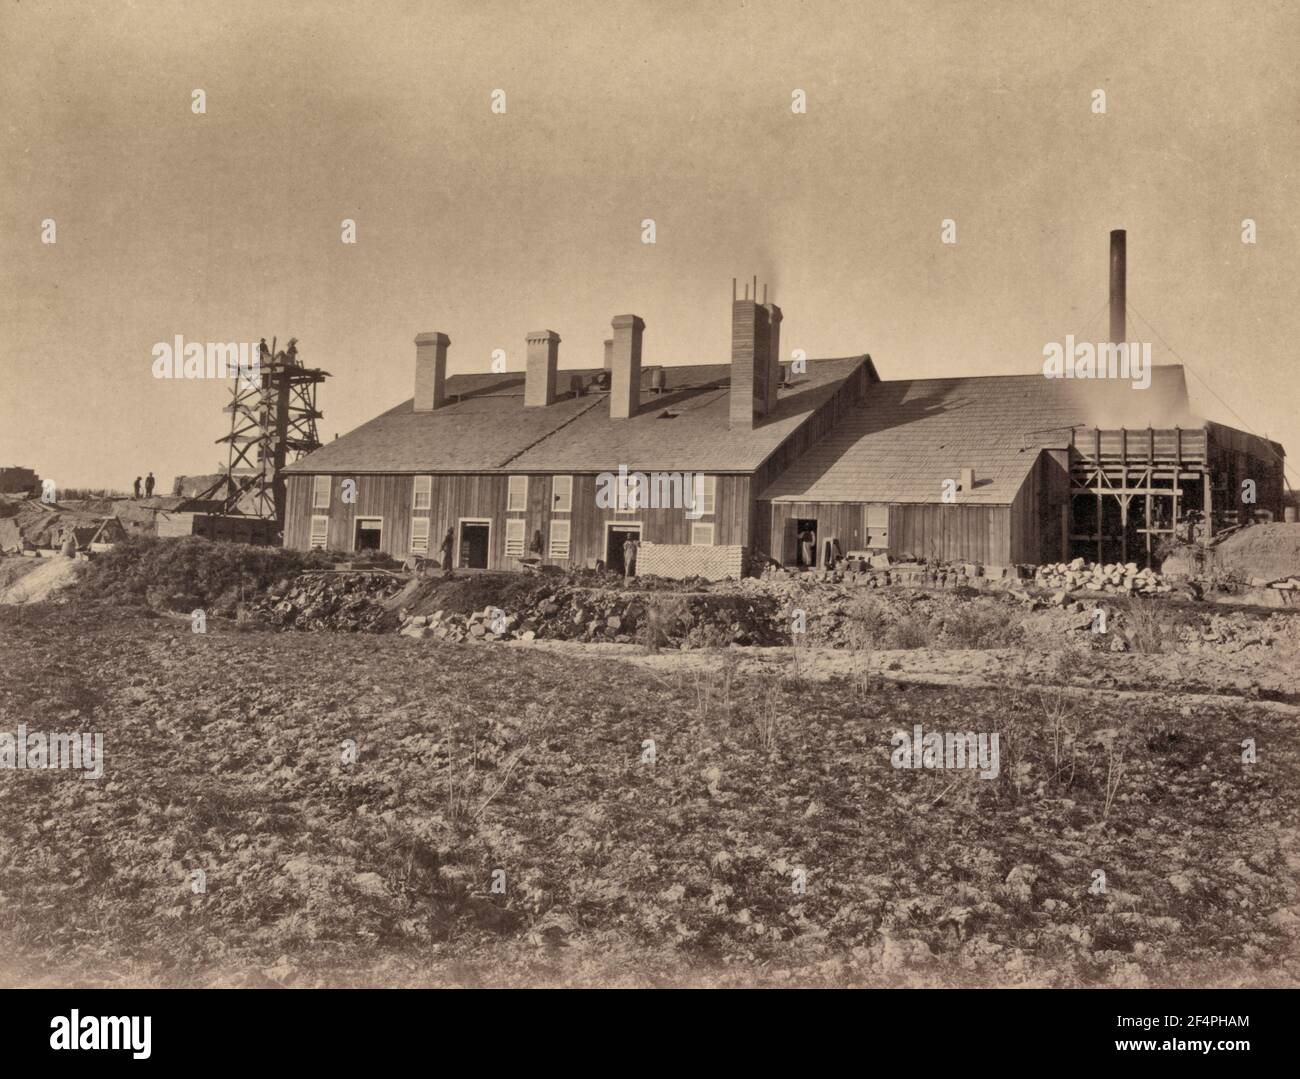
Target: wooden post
<point>1208,531</point>
<point>1096,456</point>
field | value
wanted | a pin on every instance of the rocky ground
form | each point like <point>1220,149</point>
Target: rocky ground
<point>369,808</point>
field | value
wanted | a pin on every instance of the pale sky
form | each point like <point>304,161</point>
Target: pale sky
<point>227,226</point>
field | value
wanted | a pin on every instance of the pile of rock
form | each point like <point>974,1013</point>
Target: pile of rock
<point>349,601</point>
<point>576,614</point>
<point>1097,577</point>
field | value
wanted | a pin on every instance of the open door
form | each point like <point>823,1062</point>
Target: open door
<point>616,536</point>
<point>474,537</point>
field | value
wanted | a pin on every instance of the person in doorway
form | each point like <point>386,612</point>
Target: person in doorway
<point>148,486</point>
<point>629,557</point>
<point>137,487</point>
<point>448,543</point>
<point>807,549</point>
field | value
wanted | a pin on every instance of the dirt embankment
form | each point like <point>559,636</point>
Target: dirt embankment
<point>35,580</point>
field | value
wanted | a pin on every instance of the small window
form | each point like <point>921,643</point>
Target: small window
<point>559,538</point>
<point>320,496</point>
<point>517,494</point>
<point>710,495</point>
<point>562,494</point>
<point>514,537</point>
<point>419,535</point>
<point>320,530</point>
<point>701,535</point>
<point>423,494</point>
<point>877,526</point>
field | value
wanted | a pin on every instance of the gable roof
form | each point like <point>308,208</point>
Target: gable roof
<point>485,427</point>
<point>911,435</point>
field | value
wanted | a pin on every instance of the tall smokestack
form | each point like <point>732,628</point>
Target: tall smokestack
<point>1118,286</point>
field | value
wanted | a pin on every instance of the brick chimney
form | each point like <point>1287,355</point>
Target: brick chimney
<point>539,378</point>
<point>751,361</point>
<point>625,367</point>
<point>774,318</point>
<point>430,371</point>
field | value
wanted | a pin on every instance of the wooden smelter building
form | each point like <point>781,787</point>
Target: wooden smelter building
<point>799,462</point>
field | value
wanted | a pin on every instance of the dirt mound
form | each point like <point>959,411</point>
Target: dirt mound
<point>1265,552</point>
<point>39,582</point>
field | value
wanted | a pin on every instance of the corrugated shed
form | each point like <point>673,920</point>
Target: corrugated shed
<point>913,434</point>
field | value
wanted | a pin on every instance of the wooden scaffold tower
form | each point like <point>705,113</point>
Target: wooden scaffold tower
<point>273,418</point>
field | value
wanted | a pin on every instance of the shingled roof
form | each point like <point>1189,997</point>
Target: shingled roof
<point>911,435</point>
<point>485,427</point>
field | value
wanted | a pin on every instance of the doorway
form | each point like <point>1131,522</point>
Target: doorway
<point>475,538</point>
<point>805,545</point>
<point>369,534</point>
<point>616,534</point>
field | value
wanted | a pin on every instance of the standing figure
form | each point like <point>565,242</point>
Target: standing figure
<point>137,487</point>
<point>148,486</point>
<point>448,543</point>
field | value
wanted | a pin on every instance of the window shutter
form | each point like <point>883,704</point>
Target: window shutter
<point>320,530</point>
<point>562,494</point>
<point>710,495</point>
<point>320,499</point>
<point>419,535</point>
<point>702,535</point>
<point>423,494</point>
<point>514,536</point>
<point>559,538</point>
<point>517,494</point>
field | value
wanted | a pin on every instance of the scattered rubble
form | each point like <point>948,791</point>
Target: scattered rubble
<point>330,600</point>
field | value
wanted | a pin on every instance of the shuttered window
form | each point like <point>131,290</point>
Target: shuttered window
<point>320,530</point>
<point>422,497</point>
<point>710,495</point>
<point>562,494</point>
<point>877,526</point>
<point>702,535</point>
<point>419,535</point>
<point>517,494</point>
<point>320,495</point>
<point>514,536</point>
<point>559,538</point>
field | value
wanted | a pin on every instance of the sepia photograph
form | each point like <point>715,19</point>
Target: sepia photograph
<point>752,495</point>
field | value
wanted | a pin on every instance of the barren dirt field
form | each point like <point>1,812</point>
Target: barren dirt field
<point>599,815</point>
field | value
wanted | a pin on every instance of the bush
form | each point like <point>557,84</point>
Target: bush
<point>181,574</point>
<point>981,625</point>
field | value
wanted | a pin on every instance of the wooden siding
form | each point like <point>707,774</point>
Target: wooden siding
<point>846,521</point>
<point>484,496</point>
<point>954,533</point>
